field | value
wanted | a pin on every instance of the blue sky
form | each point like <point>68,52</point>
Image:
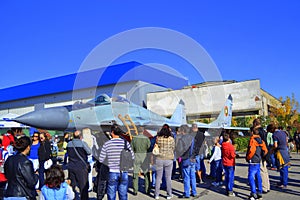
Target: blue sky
<point>245,39</point>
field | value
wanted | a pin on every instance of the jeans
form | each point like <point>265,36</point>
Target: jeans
<point>229,178</point>
<point>213,169</point>
<point>219,170</point>
<point>284,172</point>
<point>200,166</point>
<point>189,179</point>
<point>41,171</point>
<point>273,160</point>
<point>254,173</point>
<point>165,166</point>
<point>117,182</point>
<point>153,168</point>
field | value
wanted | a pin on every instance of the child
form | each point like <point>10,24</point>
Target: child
<point>228,153</point>
<point>256,149</point>
<point>217,158</point>
<point>55,186</point>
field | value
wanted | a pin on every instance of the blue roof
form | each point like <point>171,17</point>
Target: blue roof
<point>130,71</point>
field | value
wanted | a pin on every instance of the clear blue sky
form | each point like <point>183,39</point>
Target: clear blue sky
<point>245,39</point>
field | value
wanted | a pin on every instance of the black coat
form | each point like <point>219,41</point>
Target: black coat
<point>20,177</point>
<point>44,151</point>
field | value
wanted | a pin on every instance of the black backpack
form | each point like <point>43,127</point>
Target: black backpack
<point>126,160</point>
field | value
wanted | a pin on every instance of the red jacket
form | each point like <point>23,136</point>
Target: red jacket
<point>228,154</point>
<point>8,139</point>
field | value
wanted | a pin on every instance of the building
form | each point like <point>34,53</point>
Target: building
<point>143,85</point>
<point>207,99</point>
<point>131,80</point>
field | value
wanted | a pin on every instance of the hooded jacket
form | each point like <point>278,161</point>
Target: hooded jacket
<point>256,149</point>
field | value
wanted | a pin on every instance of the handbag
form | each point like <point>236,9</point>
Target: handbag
<point>155,150</point>
<point>48,163</point>
<point>126,160</point>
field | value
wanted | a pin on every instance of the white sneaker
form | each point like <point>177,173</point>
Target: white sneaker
<point>231,194</point>
<point>156,197</point>
<point>170,197</point>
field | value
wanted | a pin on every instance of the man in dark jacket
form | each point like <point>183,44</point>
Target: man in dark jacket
<point>78,151</point>
<point>199,156</point>
<point>19,172</point>
<point>186,145</point>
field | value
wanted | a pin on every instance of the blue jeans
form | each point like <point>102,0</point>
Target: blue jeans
<point>200,166</point>
<point>229,178</point>
<point>273,160</point>
<point>254,173</point>
<point>219,170</point>
<point>213,169</point>
<point>117,182</point>
<point>189,179</point>
<point>284,173</point>
<point>41,171</point>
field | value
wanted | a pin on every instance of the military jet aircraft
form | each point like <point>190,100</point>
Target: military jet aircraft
<point>101,111</point>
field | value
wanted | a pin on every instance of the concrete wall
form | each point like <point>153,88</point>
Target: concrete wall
<point>208,99</point>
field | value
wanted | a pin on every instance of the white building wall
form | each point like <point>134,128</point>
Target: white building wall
<point>208,99</point>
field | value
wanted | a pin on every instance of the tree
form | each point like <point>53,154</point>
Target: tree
<point>286,113</point>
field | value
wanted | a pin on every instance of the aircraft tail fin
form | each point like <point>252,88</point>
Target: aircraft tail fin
<point>179,115</point>
<point>224,118</point>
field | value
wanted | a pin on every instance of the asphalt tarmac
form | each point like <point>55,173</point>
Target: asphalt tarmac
<point>241,188</point>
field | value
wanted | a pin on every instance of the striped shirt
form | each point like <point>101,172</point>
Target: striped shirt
<point>111,150</point>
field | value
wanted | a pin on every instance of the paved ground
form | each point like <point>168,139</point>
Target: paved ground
<point>207,191</point>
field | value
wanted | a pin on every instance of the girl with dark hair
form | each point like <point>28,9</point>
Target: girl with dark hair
<point>165,132</point>
<point>33,155</point>
<point>55,186</point>
<point>19,172</point>
<point>44,154</point>
<point>164,161</point>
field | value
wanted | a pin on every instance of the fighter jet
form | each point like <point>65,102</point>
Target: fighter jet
<point>102,111</point>
<point>223,120</point>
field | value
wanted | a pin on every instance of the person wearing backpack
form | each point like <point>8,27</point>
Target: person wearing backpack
<point>111,151</point>
<point>263,166</point>
<point>257,149</point>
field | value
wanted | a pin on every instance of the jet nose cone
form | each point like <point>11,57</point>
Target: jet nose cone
<point>50,118</point>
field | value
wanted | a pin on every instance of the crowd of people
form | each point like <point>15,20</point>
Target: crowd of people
<point>27,172</point>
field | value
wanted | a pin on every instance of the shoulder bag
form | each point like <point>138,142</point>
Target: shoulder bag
<point>87,166</point>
